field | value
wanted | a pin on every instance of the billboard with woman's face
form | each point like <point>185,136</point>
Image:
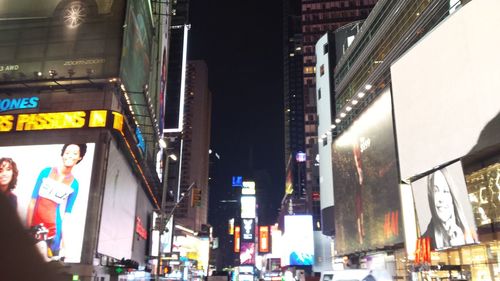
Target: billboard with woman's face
<point>443,209</point>
<point>50,194</point>
<point>365,180</point>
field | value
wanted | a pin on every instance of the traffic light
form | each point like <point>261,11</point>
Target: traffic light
<point>195,197</point>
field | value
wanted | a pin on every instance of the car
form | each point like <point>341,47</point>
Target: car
<point>72,13</point>
<point>356,275</point>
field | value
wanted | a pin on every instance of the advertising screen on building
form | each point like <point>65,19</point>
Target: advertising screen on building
<point>299,241</point>
<point>264,239</point>
<point>248,230</point>
<point>446,108</point>
<point>237,239</point>
<point>60,39</point>
<point>367,201</point>
<point>137,36</point>
<point>49,186</point>
<point>247,253</point>
<point>248,207</point>
<point>444,212</point>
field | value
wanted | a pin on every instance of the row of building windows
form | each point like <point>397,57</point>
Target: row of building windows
<point>337,5</point>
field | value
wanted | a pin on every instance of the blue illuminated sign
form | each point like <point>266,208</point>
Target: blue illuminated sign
<point>238,181</point>
<point>18,103</point>
<point>141,144</point>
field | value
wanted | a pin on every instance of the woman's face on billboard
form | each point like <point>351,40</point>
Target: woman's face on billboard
<point>71,155</point>
<point>6,174</point>
<point>442,197</point>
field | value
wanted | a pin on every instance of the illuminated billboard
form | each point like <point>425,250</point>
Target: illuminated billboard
<point>237,238</point>
<point>299,241</point>
<point>248,230</point>
<point>49,186</point>
<point>444,213</point>
<point>137,38</point>
<point>446,108</point>
<point>60,39</point>
<point>247,253</point>
<point>364,175</point>
<point>264,239</point>
<point>483,186</point>
<point>248,207</point>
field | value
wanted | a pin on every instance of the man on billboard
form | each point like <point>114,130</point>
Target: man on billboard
<point>54,195</point>
<point>448,226</point>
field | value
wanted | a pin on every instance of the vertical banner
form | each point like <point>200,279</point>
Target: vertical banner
<point>264,242</point>
<point>236,239</point>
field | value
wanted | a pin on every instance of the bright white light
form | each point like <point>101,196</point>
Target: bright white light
<point>354,102</point>
<point>162,143</point>
<point>368,87</point>
<point>342,115</point>
<point>173,157</point>
<point>333,126</point>
<point>348,108</point>
<point>361,94</point>
<point>337,120</point>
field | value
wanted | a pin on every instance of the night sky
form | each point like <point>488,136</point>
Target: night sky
<point>241,41</point>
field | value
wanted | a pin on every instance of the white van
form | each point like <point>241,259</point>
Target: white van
<point>356,275</point>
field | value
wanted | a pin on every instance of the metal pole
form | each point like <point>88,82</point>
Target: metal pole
<point>161,228</point>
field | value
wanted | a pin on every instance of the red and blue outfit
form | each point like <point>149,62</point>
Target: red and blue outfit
<point>53,198</point>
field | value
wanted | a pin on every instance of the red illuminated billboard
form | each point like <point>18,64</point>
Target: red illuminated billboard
<point>264,241</point>
<point>236,239</point>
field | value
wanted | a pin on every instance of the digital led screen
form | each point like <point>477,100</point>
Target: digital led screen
<point>60,39</point>
<point>248,230</point>
<point>444,212</point>
<point>364,175</point>
<point>237,239</point>
<point>248,207</point>
<point>49,187</point>
<point>264,239</point>
<point>446,108</point>
<point>298,239</point>
<point>247,253</point>
<point>136,61</point>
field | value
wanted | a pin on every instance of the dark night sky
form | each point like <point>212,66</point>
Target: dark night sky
<point>241,41</point>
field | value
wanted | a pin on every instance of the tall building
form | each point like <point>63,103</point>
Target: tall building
<point>393,69</point>
<point>304,23</point>
<point>293,97</point>
<point>319,17</point>
<point>196,144</point>
<point>80,96</point>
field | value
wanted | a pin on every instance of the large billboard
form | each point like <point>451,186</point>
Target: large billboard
<point>116,232</point>
<point>60,39</point>
<point>367,202</point>
<point>445,89</point>
<point>49,186</point>
<point>299,240</point>
<point>137,38</point>
<point>444,212</point>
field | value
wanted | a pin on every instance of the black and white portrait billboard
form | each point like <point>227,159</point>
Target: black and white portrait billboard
<point>443,209</point>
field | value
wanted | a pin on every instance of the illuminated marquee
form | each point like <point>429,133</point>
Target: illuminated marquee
<point>60,120</point>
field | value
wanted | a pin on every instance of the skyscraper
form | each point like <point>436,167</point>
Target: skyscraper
<point>304,23</point>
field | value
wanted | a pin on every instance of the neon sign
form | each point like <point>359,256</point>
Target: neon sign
<point>18,103</point>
